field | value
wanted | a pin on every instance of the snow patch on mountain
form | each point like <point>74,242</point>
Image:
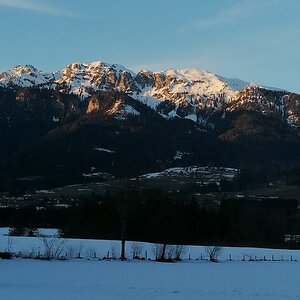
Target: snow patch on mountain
<point>233,83</point>
<point>124,111</point>
<point>145,97</point>
<point>104,150</point>
<point>214,174</point>
<point>120,110</point>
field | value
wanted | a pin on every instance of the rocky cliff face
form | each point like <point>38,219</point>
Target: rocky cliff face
<point>189,93</point>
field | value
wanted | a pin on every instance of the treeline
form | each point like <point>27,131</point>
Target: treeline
<point>155,216</point>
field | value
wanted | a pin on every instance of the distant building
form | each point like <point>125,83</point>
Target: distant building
<point>294,238</point>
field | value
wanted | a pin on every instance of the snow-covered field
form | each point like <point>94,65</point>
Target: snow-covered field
<point>91,280</point>
<point>108,279</point>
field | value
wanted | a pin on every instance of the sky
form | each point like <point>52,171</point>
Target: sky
<point>253,40</point>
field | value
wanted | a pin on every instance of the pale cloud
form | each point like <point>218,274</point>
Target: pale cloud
<point>236,13</point>
<point>239,12</point>
<point>39,6</point>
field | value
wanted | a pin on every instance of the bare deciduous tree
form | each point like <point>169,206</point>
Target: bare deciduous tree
<point>71,252</point>
<point>9,244</point>
<point>179,251</point>
<point>164,252</point>
<point>161,252</point>
<point>213,252</point>
<point>53,246</point>
<point>114,249</point>
<point>90,253</point>
<point>157,251</point>
<point>136,249</point>
<point>74,250</point>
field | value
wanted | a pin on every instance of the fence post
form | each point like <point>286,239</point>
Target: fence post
<point>230,257</point>
<point>272,257</point>
<point>189,256</point>
<point>146,255</point>
<point>243,257</point>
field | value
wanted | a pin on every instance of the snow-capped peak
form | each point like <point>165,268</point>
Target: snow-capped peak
<point>191,74</point>
<point>26,69</point>
<point>201,82</point>
<point>24,76</point>
<point>84,78</point>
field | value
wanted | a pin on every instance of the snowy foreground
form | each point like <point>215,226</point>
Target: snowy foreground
<point>108,279</point>
<point>35,280</point>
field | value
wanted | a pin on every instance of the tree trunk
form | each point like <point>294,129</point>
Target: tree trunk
<point>163,254</point>
<point>123,257</point>
<point>123,237</point>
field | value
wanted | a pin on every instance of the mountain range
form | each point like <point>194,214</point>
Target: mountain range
<point>52,123</point>
<point>172,93</point>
